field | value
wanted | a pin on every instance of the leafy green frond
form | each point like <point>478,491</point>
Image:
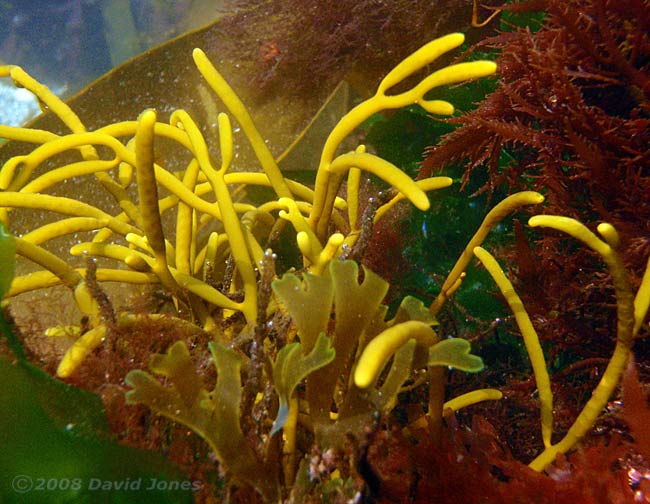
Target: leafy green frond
<point>292,366</point>
<point>212,415</point>
<point>309,306</point>
<point>455,353</point>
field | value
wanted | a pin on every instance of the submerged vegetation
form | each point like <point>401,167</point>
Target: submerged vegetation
<point>292,369</point>
<point>569,117</point>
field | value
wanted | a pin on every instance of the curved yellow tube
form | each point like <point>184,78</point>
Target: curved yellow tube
<point>624,332</point>
<point>238,110</point>
<point>385,170</point>
<point>494,216</point>
<point>426,185</point>
<point>531,340</point>
<point>320,216</point>
<point>79,350</point>
<point>642,300</point>
<point>473,397</point>
<point>377,352</point>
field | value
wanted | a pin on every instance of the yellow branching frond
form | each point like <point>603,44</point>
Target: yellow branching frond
<point>209,222</point>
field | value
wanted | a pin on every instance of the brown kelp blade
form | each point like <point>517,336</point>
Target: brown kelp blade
<point>165,78</point>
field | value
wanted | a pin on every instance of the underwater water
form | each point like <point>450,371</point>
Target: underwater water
<point>244,295</point>
<point>70,43</point>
